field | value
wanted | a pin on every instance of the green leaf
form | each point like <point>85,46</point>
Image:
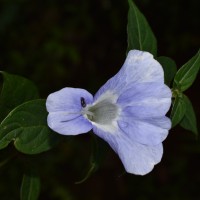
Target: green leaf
<point>15,91</point>
<point>186,75</point>
<point>26,125</point>
<point>30,187</point>
<point>140,35</point>
<point>169,67</point>
<point>178,110</point>
<point>189,120</point>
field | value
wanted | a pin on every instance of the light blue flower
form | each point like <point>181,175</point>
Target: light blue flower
<point>128,112</point>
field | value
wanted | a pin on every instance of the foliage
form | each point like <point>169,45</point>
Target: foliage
<point>23,113</point>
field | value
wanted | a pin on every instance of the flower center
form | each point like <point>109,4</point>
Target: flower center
<point>104,111</point>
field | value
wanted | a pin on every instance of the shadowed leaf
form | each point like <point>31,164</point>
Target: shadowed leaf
<point>140,35</point>
<point>26,125</point>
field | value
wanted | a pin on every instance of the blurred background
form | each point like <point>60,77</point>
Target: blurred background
<point>82,44</point>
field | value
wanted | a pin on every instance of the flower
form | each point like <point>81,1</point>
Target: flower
<point>128,112</point>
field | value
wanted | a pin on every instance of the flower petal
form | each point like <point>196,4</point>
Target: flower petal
<point>137,158</point>
<point>67,99</point>
<point>68,124</point>
<point>64,107</point>
<point>148,131</point>
<point>145,100</point>
<point>139,67</point>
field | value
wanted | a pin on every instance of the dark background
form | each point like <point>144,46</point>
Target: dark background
<point>81,44</point>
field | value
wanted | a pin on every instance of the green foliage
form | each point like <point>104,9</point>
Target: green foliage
<point>26,125</point>
<point>30,187</point>
<point>15,91</point>
<point>182,110</point>
<point>169,67</point>
<point>189,121</point>
<point>186,75</point>
<point>23,115</point>
<point>178,109</point>
<point>140,35</point>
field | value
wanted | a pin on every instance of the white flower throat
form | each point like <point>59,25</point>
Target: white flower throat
<point>103,111</point>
